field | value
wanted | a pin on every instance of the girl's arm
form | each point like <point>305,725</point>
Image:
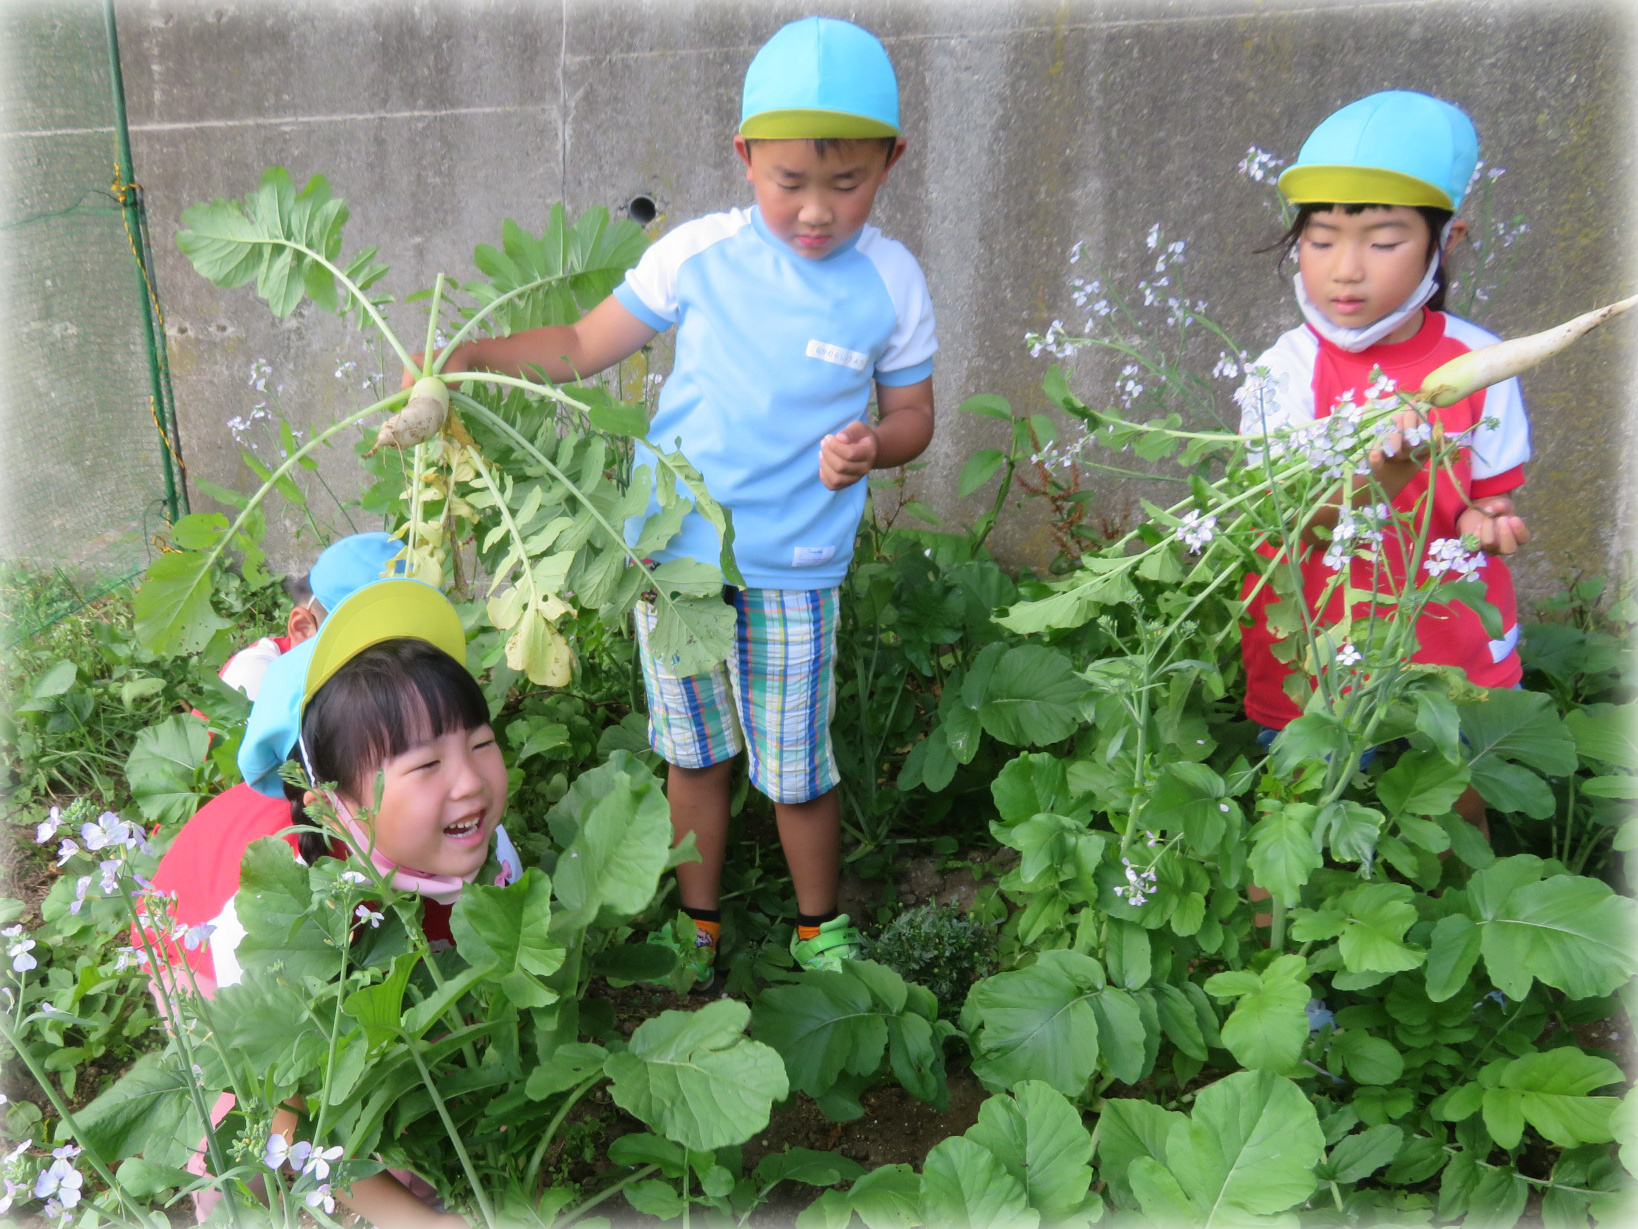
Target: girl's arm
<point>381,1198</point>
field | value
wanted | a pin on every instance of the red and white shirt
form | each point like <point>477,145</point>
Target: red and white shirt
<point>1306,377</point>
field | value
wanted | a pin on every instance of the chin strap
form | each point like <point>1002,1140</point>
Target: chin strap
<point>1355,340</point>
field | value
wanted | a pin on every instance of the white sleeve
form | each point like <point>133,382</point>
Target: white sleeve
<point>1501,441</point>
<point>244,670</point>
<point>649,290</point>
<point>914,338</point>
<point>1279,386</point>
<point>225,937</point>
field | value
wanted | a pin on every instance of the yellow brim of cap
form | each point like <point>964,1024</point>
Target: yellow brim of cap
<point>1359,185</point>
<point>811,125</point>
<point>386,610</point>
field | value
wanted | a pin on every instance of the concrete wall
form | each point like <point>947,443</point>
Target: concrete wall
<point>1032,127</point>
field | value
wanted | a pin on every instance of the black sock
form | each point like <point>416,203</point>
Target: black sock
<point>816,919</point>
<point>703,915</point>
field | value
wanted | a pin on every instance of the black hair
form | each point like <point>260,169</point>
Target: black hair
<point>299,589</point>
<point>1435,217</point>
<point>823,145</point>
<point>387,699</point>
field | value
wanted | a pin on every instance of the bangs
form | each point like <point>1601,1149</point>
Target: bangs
<point>393,696</point>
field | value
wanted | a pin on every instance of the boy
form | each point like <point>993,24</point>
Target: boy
<point>344,566</point>
<point>785,313</point>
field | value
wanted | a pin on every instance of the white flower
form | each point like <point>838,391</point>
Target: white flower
<point>48,827</point>
<point>12,1191</point>
<point>1348,655</point>
<point>67,1152</point>
<point>1446,555</point>
<point>60,1181</point>
<point>365,914</point>
<point>354,877</point>
<point>321,1197</point>
<point>10,1158</point>
<point>1196,530</point>
<point>318,1164</point>
<point>1259,165</point>
<point>66,850</point>
<point>1153,237</point>
<point>196,936</point>
<point>21,961</point>
<point>280,1151</point>
<point>1075,252</point>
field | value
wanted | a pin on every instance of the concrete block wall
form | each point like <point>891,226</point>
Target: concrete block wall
<point>1032,127</point>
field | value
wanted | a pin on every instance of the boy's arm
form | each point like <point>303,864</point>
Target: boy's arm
<point>904,428</point>
<point>600,339</point>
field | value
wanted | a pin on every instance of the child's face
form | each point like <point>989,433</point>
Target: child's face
<point>815,203</point>
<point>1357,268</point>
<point>441,803</point>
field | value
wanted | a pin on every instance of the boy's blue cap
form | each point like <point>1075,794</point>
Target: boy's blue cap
<point>381,611</point>
<point>350,563</point>
<point>820,78</point>
<point>1393,148</point>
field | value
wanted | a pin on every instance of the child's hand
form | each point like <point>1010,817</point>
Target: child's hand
<point>1493,522</point>
<point>1405,443</point>
<point>848,455</point>
<point>456,362</point>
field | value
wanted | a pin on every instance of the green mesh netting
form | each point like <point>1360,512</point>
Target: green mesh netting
<point>87,481</point>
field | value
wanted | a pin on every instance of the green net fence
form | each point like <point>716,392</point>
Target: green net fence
<point>90,467</point>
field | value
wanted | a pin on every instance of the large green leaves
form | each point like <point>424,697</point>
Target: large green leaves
<point>558,276</point>
<point>1571,932</point>
<point>696,1078</point>
<point>1269,1023</point>
<point>1040,1141</point>
<point>1511,733</point>
<point>506,931</point>
<point>289,242</point>
<point>1548,1090</point>
<point>611,867</point>
<point>163,769</point>
<point>1249,1149</point>
<point>1037,1023</point>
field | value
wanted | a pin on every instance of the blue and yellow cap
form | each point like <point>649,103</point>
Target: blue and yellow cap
<point>820,78</point>
<point>385,610</point>
<point>350,563</point>
<point>1393,148</point>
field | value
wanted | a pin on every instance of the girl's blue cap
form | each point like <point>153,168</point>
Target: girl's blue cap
<point>820,78</point>
<point>385,610</point>
<point>1393,148</point>
<point>350,563</point>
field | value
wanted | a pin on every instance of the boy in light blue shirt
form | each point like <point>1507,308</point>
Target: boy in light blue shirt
<point>787,315</point>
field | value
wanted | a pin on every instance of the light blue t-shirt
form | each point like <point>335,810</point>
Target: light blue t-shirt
<point>774,352</point>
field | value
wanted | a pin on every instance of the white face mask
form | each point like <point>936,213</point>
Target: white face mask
<point>1355,340</point>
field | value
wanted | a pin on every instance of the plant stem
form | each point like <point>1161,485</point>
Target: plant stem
<point>454,1135</point>
<point>552,1127</point>
<point>574,1213</point>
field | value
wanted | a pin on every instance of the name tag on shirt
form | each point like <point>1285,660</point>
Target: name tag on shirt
<point>812,556</point>
<point>836,354</point>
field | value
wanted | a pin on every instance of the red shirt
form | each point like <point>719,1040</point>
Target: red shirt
<point>1308,377</point>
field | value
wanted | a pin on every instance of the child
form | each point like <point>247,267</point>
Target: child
<point>344,566</point>
<point>1376,187</point>
<point>786,314</point>
<point>382,688</point>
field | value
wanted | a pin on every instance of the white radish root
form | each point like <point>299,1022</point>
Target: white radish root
<point>1467,374</point>
<point>419,421</point>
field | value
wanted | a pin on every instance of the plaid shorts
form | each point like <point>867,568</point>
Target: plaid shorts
<point>775,695</point>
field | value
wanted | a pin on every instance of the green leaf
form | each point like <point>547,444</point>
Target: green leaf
<point>380,1008</point>
<point>1031,697</point>
<point>1572,933</point>
<point>806,1165</point>
<point>1037,1024</point>
<point>826,1024</point>
<point>1604,733</point>
<point>567,1065</point>
<point>274,905</point>
<point>964,1186</point>
<point>1251,1146</point>
<point>1361,1155</point>
<point>1522,726</point>
<point>978,470</point>
<point>888,1198</point>
<point>1191,799</point>
<point>1421,783</point>
<point>149,1110</point>
<point>1452,953</point>
<point>695,1078</point>
<point>1367,1059</point>
<point>1549,1091</point>
<point>174,616</point>
<point>163,768</point>
<point>507,930</point>
<point>611,870</point>
<point>1269,1024</point>
<point>1039,1138</point>
<point>1373,938</point>
<point>1282,852</point>
<point>1129,1130</point>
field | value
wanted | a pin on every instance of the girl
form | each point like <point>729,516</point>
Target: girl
<point>1376,187</point>
<point>379,695</point>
